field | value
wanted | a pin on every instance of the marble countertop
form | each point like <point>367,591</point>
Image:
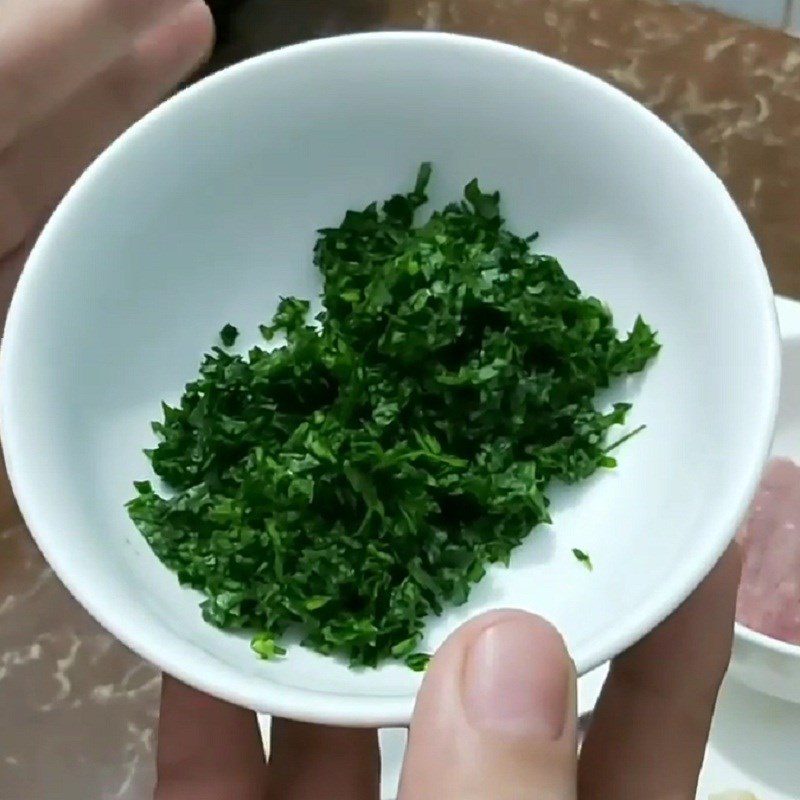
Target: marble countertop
<point>77,710</point>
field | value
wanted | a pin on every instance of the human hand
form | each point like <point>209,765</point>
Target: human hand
<point>495,718</point>
<point>73,76</point>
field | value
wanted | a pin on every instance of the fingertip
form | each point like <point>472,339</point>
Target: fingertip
<point>516,679</point>
<point>193,34</point>
<point>538,638</point>
<point>176,48</point>
<point>530,624</point>
<point>199,30</point>
<point>498,706</point>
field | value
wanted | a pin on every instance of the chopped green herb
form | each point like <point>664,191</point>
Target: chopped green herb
<point>361,476</point>
<point>266,647</point>
<point>418,662</point>
<point>583,558</point>
<point>229,334</point>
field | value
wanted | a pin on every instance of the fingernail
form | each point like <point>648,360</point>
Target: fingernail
<point>516,679</point>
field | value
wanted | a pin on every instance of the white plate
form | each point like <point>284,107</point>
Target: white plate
<point>755,738</point>
<point>753,747</point>
<point>753,744</point>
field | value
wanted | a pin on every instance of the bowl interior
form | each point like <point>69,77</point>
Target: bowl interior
<point>205,213</point>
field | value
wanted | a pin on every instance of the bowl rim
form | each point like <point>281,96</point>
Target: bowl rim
<point>765,642</point>
<point>164,647</point>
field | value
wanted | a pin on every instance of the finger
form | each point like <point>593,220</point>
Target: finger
<point>312,762</point>
<point>650,728</point>
<point>38,169</point>
<point>207,749</point>
<point>50,48</point>
<point>495,716</point>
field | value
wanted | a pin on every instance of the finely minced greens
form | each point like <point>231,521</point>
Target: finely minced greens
<point>361,475</point>
<point>228,335</point>
<point>583,557</point>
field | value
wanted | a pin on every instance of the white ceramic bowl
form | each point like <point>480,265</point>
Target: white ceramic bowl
<point>763,663</point>
<point>205,213</point>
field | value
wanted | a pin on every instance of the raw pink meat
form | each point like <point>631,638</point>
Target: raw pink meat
<point>769,594</point>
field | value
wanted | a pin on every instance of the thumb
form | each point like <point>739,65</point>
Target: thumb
<point>495,716</point>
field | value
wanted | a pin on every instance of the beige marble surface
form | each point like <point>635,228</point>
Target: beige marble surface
<point>77,711</point>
